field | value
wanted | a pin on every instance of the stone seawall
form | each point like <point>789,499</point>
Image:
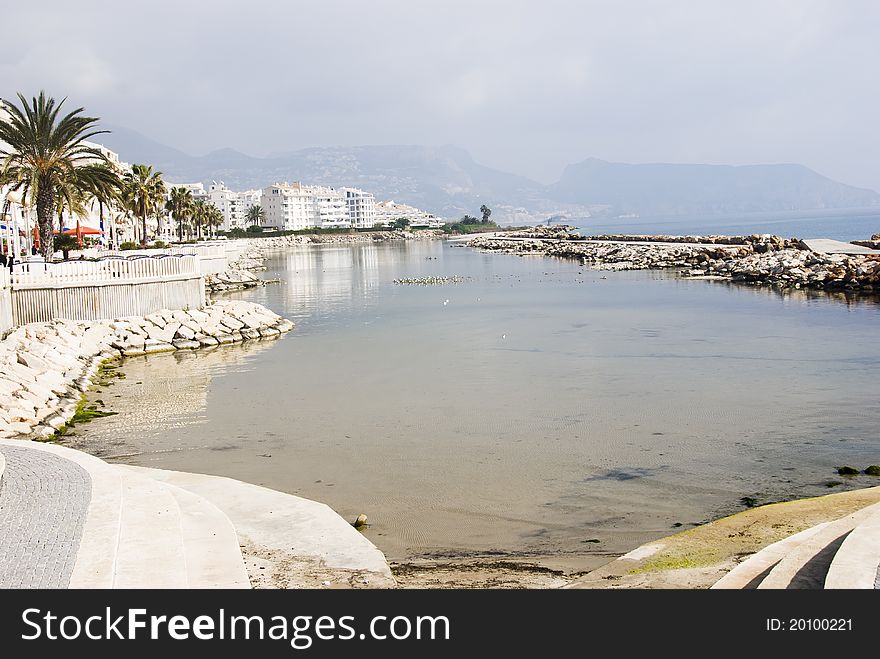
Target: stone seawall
<point>45,367</point>
<point>759,259</point>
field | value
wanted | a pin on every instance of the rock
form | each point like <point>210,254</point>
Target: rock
<point>250,334</point>
<point>873,470</point>
<point>361,521</point>
<point>153,346</point>
<point>185,344</point>
<point>232,323</point>
<point>269,331</point>
<point>33,362</point>
<point>224,339</point>
<point>847,471</point>
<point>208,341</point>
<point>186,332</point>
<point>20,428</point>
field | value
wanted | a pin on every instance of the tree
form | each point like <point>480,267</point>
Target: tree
<point>66,242</point>
<point>46,156</point>
<point>180,205</point>
<point>486,212</point>
<point>144,191</point>
<point>469,219</point>
<point>255,215</point>
<point>213,219</point>
<point>400,223</point>
<point>199,216</point>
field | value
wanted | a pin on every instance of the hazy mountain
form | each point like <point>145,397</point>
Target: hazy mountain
<point>445,180</point>
<point>666,189</point>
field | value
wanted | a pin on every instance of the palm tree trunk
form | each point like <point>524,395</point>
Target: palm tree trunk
<point>144,228</point>
<point>45,212</point>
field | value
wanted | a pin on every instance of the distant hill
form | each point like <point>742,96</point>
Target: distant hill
<point>683,190</point>
<point>445,180</point>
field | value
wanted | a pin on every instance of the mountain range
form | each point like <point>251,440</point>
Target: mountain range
<point>446,181</point>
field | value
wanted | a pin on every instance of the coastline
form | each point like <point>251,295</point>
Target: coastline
<point>47,367</point>
<point>479,572</point>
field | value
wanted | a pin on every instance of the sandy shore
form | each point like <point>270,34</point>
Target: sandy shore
<point>693,559</point>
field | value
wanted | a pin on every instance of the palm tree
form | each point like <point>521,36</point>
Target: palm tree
<point>45,156</point>
<point>255,215</point>
<point>179,205</point>
<point>200,215</point>
<point>144,191</point>
<point>214,219</point>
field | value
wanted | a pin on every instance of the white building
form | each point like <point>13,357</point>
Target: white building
<point>233,205</point>
<point>294,207</point>
<point>361,207</point>
<point>288,207</point>
<point>331,211</point>
<point>387,212</point>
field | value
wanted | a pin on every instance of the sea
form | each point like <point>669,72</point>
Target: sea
<point>535,409</point>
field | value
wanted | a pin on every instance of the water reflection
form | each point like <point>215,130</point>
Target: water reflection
<point>534,405</point>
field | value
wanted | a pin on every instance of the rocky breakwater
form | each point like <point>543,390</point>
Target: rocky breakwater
<point>607,255</point>
<point>792,268</point>
<point>45,367</point>
<point>239,273</point>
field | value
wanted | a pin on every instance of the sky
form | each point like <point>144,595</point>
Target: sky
<point>525,86</point>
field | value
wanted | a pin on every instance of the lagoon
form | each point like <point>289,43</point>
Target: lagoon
<point>535,410</point>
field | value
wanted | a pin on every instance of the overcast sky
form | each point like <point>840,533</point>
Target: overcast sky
<point>524,86</point>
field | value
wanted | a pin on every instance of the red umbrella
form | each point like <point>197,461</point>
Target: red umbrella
<point>84,231</point>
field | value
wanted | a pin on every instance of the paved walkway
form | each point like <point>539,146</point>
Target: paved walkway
<point>43,503</point>
<point>828,246</point>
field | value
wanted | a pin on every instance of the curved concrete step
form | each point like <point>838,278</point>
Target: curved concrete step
<point>751,571</point>
<point>807,564</point>
<point>210,543</point>
<point>142,533</point>
<point>857,562</point>
<point>305,543</point>
<point>150,552</point>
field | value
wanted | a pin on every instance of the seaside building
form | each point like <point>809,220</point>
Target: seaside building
<point>331,211</point>
<point>233,205</point>
<point>361,207</point>
<point>387,212</point>
<point>288,207</point>
<point>294,206</point>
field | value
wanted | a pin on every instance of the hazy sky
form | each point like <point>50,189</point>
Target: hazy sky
<point>525,86</point>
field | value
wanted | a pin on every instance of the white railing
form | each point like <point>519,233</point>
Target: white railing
<point>6,321</point>
<point>214,256</point>
<point>110,271</point>
<point>105,289</point>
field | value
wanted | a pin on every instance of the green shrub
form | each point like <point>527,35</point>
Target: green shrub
<point>129,245</point>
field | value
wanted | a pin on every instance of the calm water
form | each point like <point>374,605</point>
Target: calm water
<point>531,409</point>
<point>841,225</point>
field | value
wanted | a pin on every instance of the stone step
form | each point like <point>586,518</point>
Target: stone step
<point>752,571</point>
<point>150,552</point>
<point>806,566</point>
<point>142,533</point>
<point>313,545</point>
<point>857,562</point>
<point>213,557</point>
